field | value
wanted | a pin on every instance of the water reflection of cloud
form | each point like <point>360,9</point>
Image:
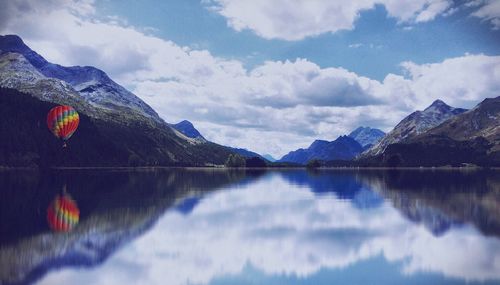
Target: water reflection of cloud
<point>280,228</point>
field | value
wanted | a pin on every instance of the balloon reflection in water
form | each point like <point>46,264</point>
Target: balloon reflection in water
<point>63,213</point>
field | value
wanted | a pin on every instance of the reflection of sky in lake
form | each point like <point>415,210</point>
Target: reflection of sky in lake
<point>273,231</point>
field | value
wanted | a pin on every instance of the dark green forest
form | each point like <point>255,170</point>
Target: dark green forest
<point>27,142</point>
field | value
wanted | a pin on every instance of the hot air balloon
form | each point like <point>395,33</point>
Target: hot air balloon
<point>63,213</point>
<point>63,122</point>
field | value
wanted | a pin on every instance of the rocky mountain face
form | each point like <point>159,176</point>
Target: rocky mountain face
<point>414,124</point>
<point>367,136</point>
<point>472,137</point>
<point>343,148</point>
<point>92,84</point>
<point>481,121</point>
<point>113,120</point>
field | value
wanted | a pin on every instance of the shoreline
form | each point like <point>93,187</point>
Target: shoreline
<point>141,168</point>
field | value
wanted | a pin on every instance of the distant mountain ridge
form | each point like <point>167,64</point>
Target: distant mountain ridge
<point>246,153</point>
<point>343,148</point>
<point>187,128</point>
<point>269,157</point>
<point>439,135</point>
<point>414,124</point>
<point>367,136</point>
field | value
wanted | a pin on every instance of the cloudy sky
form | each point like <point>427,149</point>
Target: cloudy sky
<point>272,76</point>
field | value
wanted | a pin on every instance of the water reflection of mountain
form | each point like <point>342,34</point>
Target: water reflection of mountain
<point>339,182</point>
<point>442,198</point>
<point>115,208</point>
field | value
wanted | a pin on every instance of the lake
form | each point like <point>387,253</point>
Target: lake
<point>216,226</point>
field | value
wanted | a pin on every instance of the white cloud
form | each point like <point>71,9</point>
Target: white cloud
<point>290,20</point>
<point>432,10</point>
<point>274,108</point>
<point>306,102</point>
<point>461,81</point>
<point>295,20</point>
<point>489,10</point>
<point>408,11</point>
<point>286,231</point>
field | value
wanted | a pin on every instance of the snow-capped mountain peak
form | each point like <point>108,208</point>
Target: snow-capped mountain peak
<point>415,124</point>
<point>92,83</point>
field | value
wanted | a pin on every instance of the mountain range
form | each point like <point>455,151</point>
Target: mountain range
<point>471,137</point>
<point>440,135</point>
<point>117,128</point>
<point>414,124</point>
<point>343,148</point>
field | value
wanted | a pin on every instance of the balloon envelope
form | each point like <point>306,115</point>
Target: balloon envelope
<point>63,121</point>
<point>63,213</point>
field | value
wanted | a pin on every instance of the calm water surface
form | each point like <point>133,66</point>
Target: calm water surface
<point>187,226</point>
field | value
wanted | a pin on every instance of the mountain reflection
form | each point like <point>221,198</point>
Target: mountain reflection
<point>281,227</point>
<point>115,207</point>
<point>341,183</point>
<point>441,198</point>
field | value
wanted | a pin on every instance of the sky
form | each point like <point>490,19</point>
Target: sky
<point>273,76</point>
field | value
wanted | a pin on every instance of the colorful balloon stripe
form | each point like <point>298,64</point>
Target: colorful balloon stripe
<point>63,121</point>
